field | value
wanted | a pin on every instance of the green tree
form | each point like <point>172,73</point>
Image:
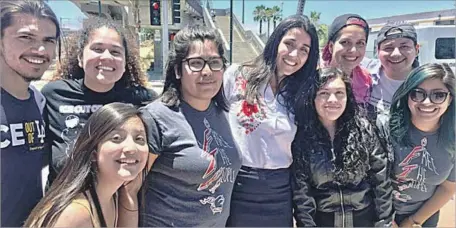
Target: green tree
<point>322,29</point>
<point>276,15</point>
<point>260,16</point>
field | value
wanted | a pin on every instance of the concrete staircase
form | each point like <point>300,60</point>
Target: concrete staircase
<point>242,49</point>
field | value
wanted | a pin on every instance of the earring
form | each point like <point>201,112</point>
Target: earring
<point>178,76</point>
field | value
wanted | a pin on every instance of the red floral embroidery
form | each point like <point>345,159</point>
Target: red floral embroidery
<point>249,115</point>
<point>249,109</point>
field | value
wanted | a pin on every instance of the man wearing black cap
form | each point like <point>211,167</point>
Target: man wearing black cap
<point>397,56</point>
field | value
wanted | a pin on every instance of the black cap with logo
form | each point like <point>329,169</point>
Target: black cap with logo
<point>403,30</point>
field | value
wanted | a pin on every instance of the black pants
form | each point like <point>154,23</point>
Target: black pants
<point>261,198</point>
<point>361,218</point>
<point>430,222</point>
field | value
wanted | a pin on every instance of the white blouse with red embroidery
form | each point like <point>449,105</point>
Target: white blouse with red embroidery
<point>263,130</point>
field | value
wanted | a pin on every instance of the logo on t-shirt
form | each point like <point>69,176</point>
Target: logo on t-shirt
<point>30,133</point>
<point>216,173</point>
<point>424,165</point>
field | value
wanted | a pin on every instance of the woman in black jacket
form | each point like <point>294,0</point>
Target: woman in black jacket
<point>341,171</point>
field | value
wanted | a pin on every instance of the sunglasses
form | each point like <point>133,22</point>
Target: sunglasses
<point>436,97</point>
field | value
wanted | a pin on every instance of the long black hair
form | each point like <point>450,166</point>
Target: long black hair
<point>262,69</point>
<point>79,174</point>
<point>352,139</point>
<point>182,43</point>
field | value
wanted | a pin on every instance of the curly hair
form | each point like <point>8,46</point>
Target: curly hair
<point>352,140</point>
<point>68,67</point>
<point>262,69</point>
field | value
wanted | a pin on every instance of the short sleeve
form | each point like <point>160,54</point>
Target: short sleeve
<point>154,135</point>
<point>229,81</point>
<point>452,176</point>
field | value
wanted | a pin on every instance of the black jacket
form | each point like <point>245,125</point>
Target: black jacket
<point>322,193</point>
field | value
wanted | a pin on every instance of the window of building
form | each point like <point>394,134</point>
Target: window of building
<point>446,22</point>
<point>445,48</point>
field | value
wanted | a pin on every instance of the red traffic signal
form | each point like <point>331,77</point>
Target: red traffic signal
<point>156,5</point>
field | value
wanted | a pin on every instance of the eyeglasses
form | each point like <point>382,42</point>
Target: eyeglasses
<point>436,97</point>
<point>197,64</point>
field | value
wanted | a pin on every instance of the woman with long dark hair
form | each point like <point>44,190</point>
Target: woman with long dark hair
<point>340,168</point>
<point>423,131</point>
<point>191,182</point>
<point>262,97</point>
<point>99,186</point>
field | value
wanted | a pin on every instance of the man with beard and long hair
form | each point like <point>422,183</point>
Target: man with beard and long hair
<point>29,34</point>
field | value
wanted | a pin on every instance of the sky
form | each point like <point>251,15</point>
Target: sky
<point>71,15</point>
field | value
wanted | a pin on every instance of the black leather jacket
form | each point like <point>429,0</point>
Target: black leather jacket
<point>321,193</point>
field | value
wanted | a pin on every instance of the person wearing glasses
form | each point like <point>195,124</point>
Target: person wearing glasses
<point>192,179</point>
<point>261,94</point>
<point>423,131</point>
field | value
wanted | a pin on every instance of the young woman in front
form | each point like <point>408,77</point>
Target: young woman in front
<point>423,131</point>
<point>262,96</point>
<point>340,170</point>
<point>99,186</point>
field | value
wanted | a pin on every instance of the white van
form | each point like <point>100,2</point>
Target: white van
<point>437,44</point>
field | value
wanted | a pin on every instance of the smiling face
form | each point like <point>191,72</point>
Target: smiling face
<point>349,49</point>
<point>397,56</point>
<point>331,100</point>
<point>103,59</point>
<point>427,113</point>
<point>124,152</point>
<point>293,51</point>
<point>28,46</point>
<point>199,87</point>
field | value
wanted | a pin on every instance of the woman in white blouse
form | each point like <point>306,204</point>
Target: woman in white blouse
<point>261,95</point>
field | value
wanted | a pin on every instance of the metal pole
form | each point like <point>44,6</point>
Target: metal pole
<point>99,8</point>
<point>231,31</point>
<point>243,7</point>
<point>165,33</point>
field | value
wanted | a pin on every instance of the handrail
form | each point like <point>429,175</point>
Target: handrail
<point>208,19</point>
<point>247,34</point>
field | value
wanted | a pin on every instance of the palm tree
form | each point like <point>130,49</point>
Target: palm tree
<point>268,15</point>
<point>276,15</point>
<point>322,29</point>
<point>259,15</point>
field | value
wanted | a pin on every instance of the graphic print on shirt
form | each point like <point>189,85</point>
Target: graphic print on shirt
<point>249,115</point>
<point>30,133</point>
<point>424,165</point>
<point>217,173</point>
<point>73,123</point>
<point>69,134</point>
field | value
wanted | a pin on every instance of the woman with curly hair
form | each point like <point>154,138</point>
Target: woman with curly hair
<point>100,67</point>
<point>423,131</point>
<point>340,168</point>
<point>262,95</point>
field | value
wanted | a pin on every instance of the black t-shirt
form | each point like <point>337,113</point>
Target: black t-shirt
<point>69,105</point>
<point>22,157</point>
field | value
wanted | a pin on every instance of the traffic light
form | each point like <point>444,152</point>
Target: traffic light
<point>155,12</point>
<point>176,12</point>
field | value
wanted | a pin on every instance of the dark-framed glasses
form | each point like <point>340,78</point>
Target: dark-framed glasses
<point>436,97</point>
<point>197,64</point>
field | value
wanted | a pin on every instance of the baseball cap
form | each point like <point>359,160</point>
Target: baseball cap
<point>345,20</point>
<point>403,30</point>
